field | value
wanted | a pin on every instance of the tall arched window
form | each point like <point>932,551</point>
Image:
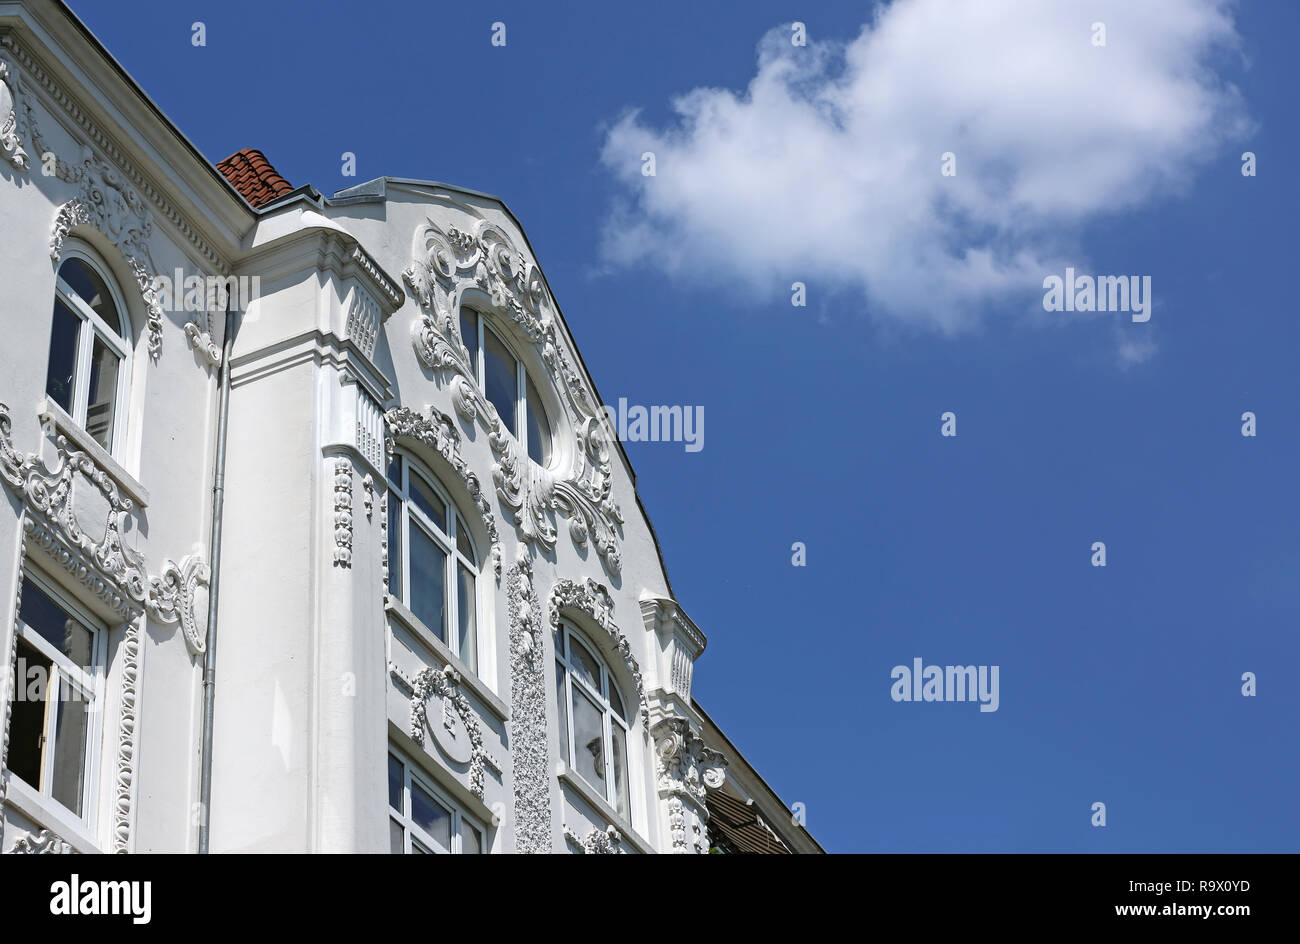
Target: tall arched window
<point>432,565</point>
<point>90,351</point>
<point>593,718</point>
<point>504,381</point>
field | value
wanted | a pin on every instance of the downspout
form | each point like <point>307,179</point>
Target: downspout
<point>214,556</point>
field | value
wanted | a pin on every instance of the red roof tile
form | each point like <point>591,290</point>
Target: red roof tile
<point>252,175</point>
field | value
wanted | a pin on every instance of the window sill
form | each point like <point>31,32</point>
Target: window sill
<point>50,815</point>
<point>573,780</point>
<point>415,625</point>
<point>54,415</point>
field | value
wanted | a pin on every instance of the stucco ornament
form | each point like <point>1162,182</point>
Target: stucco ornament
<point>107,203</point>
<point>456,728</point>
<point>42,843</point>
<point>106,567</point>
<point>686,765</point>
<point>608,841</point>
<point>437,432</point>
<point>178,595</point>
<point>530,744</point>
<point>445,263</point>
<point>593,600</point>
<point>101,563</point>
<point>11,143</point>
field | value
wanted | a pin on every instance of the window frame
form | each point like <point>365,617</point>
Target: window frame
<point>609,717</point>
<point>409,516</point>
<point>522,379</point>
<point>412,832</point>
<point>94,682</point>
<point>91,326</point>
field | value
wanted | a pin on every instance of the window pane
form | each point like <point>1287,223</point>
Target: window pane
<point>427,500</point>
<point>396,838</point>
<point>471,842</point>
<point>27,713</point>
<point>563,701</point>
<point>584,663</point>
<point>63,356</point>
<point>428,576</point>
<point>395,784</point>
<point>431,816</point>
<point>501,378</point>
<point>59,629</point>
<point>539,428</point>
<point>90,288</point>
<point>589,741</point>
<point>70,731</point>
<point>103,394</point>
<point>395,545</point>
<point>465,600</point>
<point>463,542</point>
<point>469,334</point>
<point>616,701</point>
<point>620,768</point>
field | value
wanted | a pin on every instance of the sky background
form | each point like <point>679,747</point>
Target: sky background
<point>821,164</point>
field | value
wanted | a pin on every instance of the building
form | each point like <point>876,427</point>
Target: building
<point>314,530</point>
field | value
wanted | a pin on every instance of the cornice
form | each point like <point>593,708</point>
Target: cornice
<point>36,70</point>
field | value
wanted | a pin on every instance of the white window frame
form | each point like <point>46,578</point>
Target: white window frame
<point>521,381</point>
<point>92,326</point>
<point>609,717</point>
<point>409,516</point>
<point>92,682</point>
<point>412,832</point>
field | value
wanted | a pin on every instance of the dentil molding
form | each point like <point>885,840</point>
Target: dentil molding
<point>446,262</point>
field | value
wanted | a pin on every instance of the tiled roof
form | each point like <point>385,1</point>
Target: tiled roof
<point>253,176</point>
<point>734,827</point>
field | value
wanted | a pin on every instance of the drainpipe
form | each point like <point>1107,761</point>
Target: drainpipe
<point>214,556</point>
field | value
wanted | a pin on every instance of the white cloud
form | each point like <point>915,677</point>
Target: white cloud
<point>827,169</point>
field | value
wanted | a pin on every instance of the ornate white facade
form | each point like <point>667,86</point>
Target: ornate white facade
<point>338,712</point>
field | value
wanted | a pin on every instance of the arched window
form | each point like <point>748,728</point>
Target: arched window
<point>504,381</point>
<point>593,718</point>
<point>432,565</point>
<point>90,354</point>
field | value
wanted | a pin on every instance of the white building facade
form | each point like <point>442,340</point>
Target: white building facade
<point>314,534</point>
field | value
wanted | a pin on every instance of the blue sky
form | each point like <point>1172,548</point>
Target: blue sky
<point>1118,684</point>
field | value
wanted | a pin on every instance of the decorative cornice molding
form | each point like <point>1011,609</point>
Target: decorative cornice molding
<point>391,291</point>
<point>437,432</point>
<point>445,683</point>
<point>110,149</point>
<point>444,263</point>
<point>593,600</point>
